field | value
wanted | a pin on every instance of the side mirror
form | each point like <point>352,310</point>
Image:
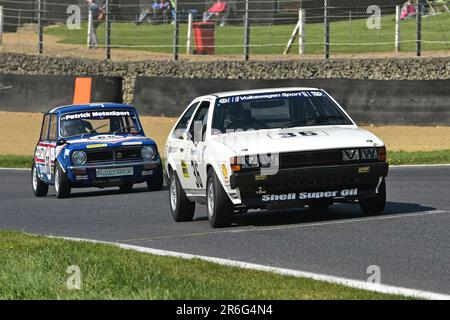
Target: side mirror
<point>61,142</point>
<point>187,135</point>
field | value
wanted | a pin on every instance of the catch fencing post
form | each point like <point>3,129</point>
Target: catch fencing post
<point>301,31</point>
<point>40,28</point>
<point>189,33</point>
<point>246,33</point>
<point>419,28</point>
<point>1,23</point>
<point>326,24</point>
<point>108,31</point>
<point>398,12</point>
<point>176,33</point>
<point>89,29</point>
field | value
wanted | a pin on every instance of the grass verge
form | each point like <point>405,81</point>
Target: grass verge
<point>419,157</point>
<point>12,161</point>
<point>347,36</point>
<point>394,158</point>
<point>34,267</point>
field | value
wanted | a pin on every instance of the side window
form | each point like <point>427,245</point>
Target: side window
<point>198,125</point>
<point>44,129</point>
<point>184,121</point>
<point>53,135</point>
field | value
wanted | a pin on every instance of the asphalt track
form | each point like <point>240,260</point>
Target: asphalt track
<point>410,242</point>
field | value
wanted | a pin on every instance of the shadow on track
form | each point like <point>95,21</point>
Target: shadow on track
<point>334,213</point>
<point>79,193</point>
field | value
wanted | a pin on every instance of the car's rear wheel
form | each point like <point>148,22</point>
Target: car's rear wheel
<point>181,207</point>
<point>62,184</point>
<point>40,189</point>
<point>218,205</point>
<point>376,204</point>
<point>126,187</point>
<point>155,183</point>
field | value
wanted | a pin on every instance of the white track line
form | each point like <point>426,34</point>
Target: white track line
<point>15,169</point>
<point>418,166</point>
<point>286,227</point>
<point>356,284</point>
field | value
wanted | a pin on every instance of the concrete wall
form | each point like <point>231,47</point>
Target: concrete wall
<point>39,93</point>
<point>368,101</point>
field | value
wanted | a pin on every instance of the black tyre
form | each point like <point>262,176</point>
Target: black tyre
<point>156,182</point>
<point>181,207</point>
<point>375,205</point>
<point>126,187</point>
<point>40,189</point>
<point>218,205</point>
<point>62,184</point>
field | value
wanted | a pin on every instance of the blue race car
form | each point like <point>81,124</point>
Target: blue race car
<point>95,145</point>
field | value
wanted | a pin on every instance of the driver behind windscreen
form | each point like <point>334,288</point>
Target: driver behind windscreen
<point>75,127</point>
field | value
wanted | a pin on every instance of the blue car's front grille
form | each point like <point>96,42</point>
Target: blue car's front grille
<point>113,155</point>
<point>99,156</point>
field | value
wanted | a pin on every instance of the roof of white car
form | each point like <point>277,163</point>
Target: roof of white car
<point>259,91</point>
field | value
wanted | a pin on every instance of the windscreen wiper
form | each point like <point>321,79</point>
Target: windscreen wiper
<point>123,128</point>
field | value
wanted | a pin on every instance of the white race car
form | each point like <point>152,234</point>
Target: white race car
<point>271,148</point>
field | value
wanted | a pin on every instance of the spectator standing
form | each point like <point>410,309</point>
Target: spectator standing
<point>218,11</point>
<point>98,13</point>
<point>408,10</point>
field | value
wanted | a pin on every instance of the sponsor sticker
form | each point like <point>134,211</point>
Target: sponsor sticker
<point>364,169</point>
<point>310,195</point>
<point>270,96</point>
<point>185,169</point>
<point>135,143</point>
<point>95,114</point>
<point>95,146</point>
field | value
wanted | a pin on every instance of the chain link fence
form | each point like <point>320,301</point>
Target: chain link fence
<point>227,29</point>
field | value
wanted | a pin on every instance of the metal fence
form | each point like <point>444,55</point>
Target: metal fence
<point>214,30</point>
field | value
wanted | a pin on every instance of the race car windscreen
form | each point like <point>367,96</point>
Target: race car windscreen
<point>98,122</point>
<point>276,110</point>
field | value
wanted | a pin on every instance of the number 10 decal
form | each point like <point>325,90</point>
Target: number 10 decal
<point>198,179</point>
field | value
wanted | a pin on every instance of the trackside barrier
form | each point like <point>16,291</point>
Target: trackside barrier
<point>38,93</point>
<point>403,102</point>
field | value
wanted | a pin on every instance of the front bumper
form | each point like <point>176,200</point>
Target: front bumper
<point>86,175</point>
<point>306,185</point>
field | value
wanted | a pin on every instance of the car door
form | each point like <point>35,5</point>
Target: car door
<point>195,148</point>
<point>176,145</point>
<point>45,150</point>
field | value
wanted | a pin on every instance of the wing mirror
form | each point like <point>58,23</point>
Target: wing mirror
<point>61,142</point>
<point>187,135</point>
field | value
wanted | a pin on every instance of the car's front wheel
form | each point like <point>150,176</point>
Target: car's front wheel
<point>376,204</point>
<point>218,205</point>
<point>62,184</point>
<point>126,187</point>
<point>181,207</point>
<point>40,189</point>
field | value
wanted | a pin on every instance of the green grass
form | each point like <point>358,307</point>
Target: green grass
<point>429,157</point>
<point>33,267</point>
<point>394,157</point>
<point>11,161</point>
<point>347,36</point>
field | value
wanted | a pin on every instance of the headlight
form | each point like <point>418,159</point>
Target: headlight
<point>148,153</point>
<point>79,158</point>
<point>251,161</point>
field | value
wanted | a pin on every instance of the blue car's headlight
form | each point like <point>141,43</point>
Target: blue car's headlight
<point>148,153</point>
<point>79,158</point>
